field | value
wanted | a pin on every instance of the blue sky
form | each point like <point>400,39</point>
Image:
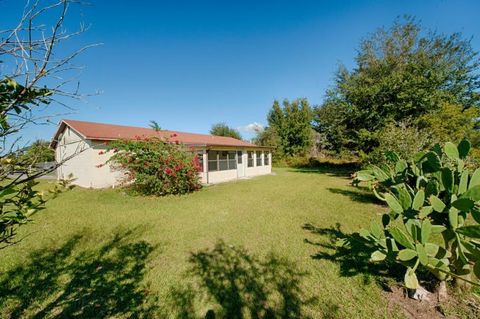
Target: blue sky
<point>188,65</point>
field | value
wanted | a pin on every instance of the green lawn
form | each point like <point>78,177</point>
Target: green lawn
<point>262,245</point>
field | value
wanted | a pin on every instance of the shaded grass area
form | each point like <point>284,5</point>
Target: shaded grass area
<point>259,248</point>
<point>241,285</point>
<point>67,282</point>
<point>352,254</point>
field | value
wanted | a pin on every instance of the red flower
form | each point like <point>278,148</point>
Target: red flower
<point>177,142</point>
<point>168,171</point>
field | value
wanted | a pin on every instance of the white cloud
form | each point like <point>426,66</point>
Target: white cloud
<point>251,128</point>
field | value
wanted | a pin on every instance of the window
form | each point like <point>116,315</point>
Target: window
<point>250,159</point>
<point>221,161</point>
<point>212,161</point>
<point>266,158</point>
<point>259,158</point>
<point>239,157</point>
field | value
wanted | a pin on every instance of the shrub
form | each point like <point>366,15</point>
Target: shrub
<point>433,222</point>
<point>153,166</point>
<point>332,163</point>
<point>400,138</point>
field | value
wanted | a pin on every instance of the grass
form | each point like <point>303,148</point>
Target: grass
<point>262,246</point>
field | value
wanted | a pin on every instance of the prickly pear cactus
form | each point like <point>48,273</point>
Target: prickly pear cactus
<point>434,215</point>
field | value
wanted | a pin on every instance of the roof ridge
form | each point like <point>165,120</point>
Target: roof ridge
<point>148,128</point>
<point>107,132</point>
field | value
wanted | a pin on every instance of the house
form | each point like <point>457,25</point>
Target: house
<point>80,145</point>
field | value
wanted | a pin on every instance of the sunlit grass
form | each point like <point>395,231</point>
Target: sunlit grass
<point>95,250</point>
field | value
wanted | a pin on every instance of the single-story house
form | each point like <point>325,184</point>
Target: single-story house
<point>82,145</point>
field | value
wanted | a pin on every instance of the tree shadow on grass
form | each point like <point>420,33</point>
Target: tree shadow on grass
<point>241,285</point>
<point>358,194</point>
<point>69,282</point>
<point>352,253</point>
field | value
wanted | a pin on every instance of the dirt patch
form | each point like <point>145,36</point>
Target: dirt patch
<point>413,309</point>
<point>458,305</point>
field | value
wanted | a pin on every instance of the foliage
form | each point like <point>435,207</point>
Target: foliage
<point>38,152</point>
<point>156,166</point>
<point>290,126</point>
<point>402,75</point>
<point>155,126</point>
<point>29,60</point>
<point>18,99</point>
<point>18,199</point>
<point>450,123</point>
<point>400,138</point>
<point>430,194</point>
<point>334,164</point>
<point>268,137</point>
<point>222,129</point>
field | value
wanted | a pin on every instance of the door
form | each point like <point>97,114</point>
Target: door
<point>240,164</point>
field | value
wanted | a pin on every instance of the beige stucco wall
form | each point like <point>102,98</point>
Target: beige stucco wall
<point>80,165</point>
<point>84,164</point>
<point>222,176</point>
<point>104,175</point>
<point>258,170</point>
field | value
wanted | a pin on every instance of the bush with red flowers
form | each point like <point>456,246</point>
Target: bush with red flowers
<point>155,166</point>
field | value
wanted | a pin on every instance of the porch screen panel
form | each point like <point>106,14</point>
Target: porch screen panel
<point>259,158</point>
<point>250,158</point>
<point>212,161</point>
<point>232,163</point>
<point>223,161</point>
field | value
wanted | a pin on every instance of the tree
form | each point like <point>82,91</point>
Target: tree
<point>222,129</point>
<point>290,125</point>
<point>29,64</point>
<point>451,122</point>
<point>38,152</point>
<point>402,75</point>
<point>268,137</point>
<point>154,125</point>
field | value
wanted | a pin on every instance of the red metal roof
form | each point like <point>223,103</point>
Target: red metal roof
<point>108,132</point>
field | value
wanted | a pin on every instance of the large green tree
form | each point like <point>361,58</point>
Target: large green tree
<point>289,126</point>
<point>402,74</point>
<point>222,129</point>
